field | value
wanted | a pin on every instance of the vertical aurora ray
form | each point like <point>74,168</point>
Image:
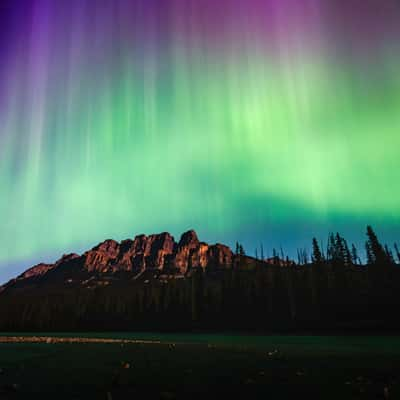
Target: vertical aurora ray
<point>233,117</point>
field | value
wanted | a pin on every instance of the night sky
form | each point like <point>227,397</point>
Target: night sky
<point>254,120</point>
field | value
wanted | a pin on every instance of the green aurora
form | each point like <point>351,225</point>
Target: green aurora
<point>194,137</point>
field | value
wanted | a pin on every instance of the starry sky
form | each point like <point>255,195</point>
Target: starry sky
<point>255,120</point>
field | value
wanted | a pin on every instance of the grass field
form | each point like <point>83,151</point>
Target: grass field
<point>202,366</point>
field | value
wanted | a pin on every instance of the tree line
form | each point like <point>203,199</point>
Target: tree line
<point>337,251</point>
<point>328,290</point>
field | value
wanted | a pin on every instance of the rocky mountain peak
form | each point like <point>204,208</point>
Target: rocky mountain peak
<point>189,239</point>
<point>109,246</point>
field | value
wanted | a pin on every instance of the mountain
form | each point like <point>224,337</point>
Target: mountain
<point>144,256</point>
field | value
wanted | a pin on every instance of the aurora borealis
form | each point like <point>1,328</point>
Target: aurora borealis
<point>269,120</point>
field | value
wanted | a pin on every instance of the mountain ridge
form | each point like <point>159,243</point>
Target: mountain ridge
<point>132,258</point>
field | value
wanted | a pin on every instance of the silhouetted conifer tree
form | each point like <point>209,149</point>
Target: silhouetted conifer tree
<point>378,252</point>
<point>369,254</point>
<point>317,257</point>
<point>347,254</point>
<point>331,249</point>
<point>354,255</point>
<point>322,248</point>
<point>389,255</point>
<point>339,250</point>
<point>397,252</point>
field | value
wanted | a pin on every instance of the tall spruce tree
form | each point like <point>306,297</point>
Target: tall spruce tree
<point>347,253</point>
<point>331,253</point>
<point>317,257</point>
<point>378,252</point>
<point>340,250</point>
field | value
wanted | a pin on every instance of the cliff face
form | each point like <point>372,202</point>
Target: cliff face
<point>159,252</point>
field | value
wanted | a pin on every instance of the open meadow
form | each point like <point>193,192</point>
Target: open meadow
<point>177,366</point>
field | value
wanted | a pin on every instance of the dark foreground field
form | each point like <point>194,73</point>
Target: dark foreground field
<point>203,366</point>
